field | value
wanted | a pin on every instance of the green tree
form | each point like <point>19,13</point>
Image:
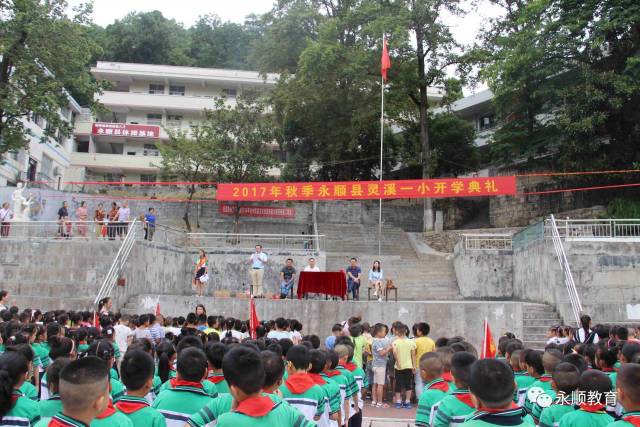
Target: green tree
<point>147,38</point>
<point>190,156</point>
<point>43,50</point>
<point>241,133</point>
<point>220,45</point>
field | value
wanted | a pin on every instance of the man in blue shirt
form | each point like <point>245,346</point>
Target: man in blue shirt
<point>149,224</point>
<point>353,279</point>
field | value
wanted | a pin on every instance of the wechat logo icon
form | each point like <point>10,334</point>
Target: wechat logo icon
<point>538,396</point>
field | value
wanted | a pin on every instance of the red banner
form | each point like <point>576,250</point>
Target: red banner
<point>360,190</point>
<point>258,211</point>
<point>126,130</point>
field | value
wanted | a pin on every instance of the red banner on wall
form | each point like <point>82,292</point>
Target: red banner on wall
<point>360,190</point>
<point>126,130</point>
<point>258,211</point>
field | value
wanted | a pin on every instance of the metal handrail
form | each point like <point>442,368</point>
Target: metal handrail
<point>574,298</point>
<point>118,262</point>
<point>314,216</point>
<point>246,241</point>
<point>598,229</point>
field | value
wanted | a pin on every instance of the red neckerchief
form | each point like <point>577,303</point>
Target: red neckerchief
<point>61,420</point>
<point>608,370</point>
<point>593,408</point>
<point>349,366</point>
<point>464,397</point>
<point>333,373</point>
<point>447,377</point>
<point>110,410</point>
<point>130,406</point>
<point>175,382</point>
<point>317,378</point>
<point>215,378</point>
<point>634,420</point>
<point>439,384</point>
<point>255,406</point>
<point>299,383</point>
<point>545,379</point>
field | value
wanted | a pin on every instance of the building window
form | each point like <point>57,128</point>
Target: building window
<point>174,120</point>
<point>82,146</point>
<point>154,119</point>
<point>176,90</point>
<point>37,119</point>
<point>147,178</point>
<point>156,89</point>
<point>64,112</point>
<point>151,150</point>
<point>486,122</point>
<point>46,166</point>
<point>230,93</point>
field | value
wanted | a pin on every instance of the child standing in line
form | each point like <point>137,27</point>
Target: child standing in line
<point>522,377</point>
<point>453,409</point>
<point>565,379</point>
<point>628,393</point>
<point>137,375</point>
<point>592,413</point>
<point>380,349</point>
<point>14,368</point>
<point>435,389</point>
<point>404,352</point>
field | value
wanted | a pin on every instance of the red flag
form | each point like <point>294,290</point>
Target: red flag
<point>253,318</point>
<point>158,309</point>
<point>385,61</point>
<point>96,320</point>
<point>488,347</point>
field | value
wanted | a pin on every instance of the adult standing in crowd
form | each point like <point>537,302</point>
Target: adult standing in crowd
<point>98,216</point>
<point>200,271</point>
<point>5,217</point>
<point>113,221</point>
<point>353,278</point>
<point>258,260</point>
<point>376,276</point>
<point>287,278</point>
<point>585,334</point>
<point>63,218</point>
<point>4,300</point>
<point>149,224</point>
<point>82,215</point>
<point>123,220</point>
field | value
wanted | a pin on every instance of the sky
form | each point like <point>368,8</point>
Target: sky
<point>465,29</point>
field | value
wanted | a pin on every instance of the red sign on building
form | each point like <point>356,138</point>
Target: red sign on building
<point>258,211</point>
<point>359,190</point>
<point>125,130</point>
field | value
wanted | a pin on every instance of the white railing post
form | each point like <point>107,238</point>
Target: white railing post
<point>574,298</point>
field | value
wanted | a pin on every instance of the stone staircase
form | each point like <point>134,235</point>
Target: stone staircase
<point>418,276</point>
<point>537,319</point>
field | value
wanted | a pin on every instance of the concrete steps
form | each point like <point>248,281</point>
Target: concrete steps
<point>537,319</point>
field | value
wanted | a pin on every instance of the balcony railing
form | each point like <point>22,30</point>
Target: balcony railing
<point>597,229</point>
<point>487,242</point>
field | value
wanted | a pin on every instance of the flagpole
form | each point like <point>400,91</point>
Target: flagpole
<point>381,154</point>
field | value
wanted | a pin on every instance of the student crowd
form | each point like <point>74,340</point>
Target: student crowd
<point>73,369</point>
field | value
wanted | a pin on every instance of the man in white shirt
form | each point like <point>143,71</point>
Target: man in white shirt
<point>124,334</point>
<point>312,265</point>
<point>5,217</point>
<point>123,218</point>
<point>257,260</point>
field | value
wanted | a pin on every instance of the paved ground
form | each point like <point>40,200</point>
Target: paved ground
<point>389,417</point>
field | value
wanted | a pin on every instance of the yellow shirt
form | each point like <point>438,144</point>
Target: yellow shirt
<point>424,345</point>
<point>402,348</point>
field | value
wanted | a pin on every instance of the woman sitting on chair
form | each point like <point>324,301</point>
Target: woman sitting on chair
<point>376,276</point>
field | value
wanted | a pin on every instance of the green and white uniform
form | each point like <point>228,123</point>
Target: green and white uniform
<point>208,387</point>
<point>433,393</point>
<point>264,411</point>
<point>343,385</point>
<point>209,415</point>
<point>453,409</point>
<point>111,417</point>
<point>218,379</point>
<point>332,399</point>
<point>551,415</point>
<point>362,382</point>
<point>544,382</point>
<point>60,420</point>
<point>523,382</point>
<point>301,392</point>
<point>23,413</point>
<point>511,417</point>
<point>352,388</point>
<point>29,390</point>
<point>629,419</point>
<point>50,407</point>
<point>180,401</point>
<point>586,418</point>
<point>141,414</point>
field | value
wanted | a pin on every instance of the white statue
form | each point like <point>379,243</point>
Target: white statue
<point>21,205</point>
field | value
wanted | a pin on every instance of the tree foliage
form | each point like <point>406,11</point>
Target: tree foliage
<point>43,50</point>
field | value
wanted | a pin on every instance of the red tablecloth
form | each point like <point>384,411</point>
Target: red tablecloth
<point>323,282</point>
